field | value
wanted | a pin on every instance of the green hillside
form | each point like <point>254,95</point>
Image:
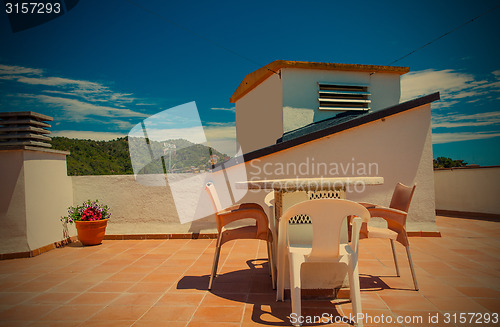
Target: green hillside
<point>89,157</point>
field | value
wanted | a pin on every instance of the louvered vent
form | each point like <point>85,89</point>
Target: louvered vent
<point>24,129</point>
<point>342,97</point>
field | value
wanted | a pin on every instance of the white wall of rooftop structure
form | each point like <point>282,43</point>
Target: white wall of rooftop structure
<point>48,195</point>
<point>259,116</point>
<point>300,93</point>
<point>35,193</point>
<point>12,203</point>
<point>468,189</point>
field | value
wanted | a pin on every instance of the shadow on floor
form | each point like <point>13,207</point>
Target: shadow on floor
<point>253,286</point>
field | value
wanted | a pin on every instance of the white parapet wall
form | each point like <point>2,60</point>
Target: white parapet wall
<point>468,189</point>
<point>136,208</point>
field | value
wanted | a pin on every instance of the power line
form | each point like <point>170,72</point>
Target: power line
<point>445,34</point>
<point>166,19</point>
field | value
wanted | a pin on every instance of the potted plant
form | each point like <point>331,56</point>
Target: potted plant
<point>91,219</point>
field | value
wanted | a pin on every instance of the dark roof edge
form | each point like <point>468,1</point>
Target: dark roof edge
<point>332,130</point>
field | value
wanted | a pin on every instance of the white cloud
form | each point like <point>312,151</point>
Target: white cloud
<point>78,111</point>
<point>122,124</point>
<point>452,85</point>
<point>438,138</point>
<point>233,109</point>
<point>18,70</point>
<point>86,135</point>
<point>192,134</point>
<point>222,138</point>
<point>87,90</point>
<point>58,81</point>
<point>464,120</point>
<point>224,146</point>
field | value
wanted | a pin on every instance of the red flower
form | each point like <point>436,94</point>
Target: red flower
<point>91,214</point>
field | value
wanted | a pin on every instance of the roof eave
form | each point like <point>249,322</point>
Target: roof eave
<point>255,78</point>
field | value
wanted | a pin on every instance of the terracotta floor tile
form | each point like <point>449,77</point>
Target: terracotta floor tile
<point>143,287</point>
<point>95,298</point>
<point>107,268</point>
<point>92,277</point>
<point>55,277</point>
<point>437,289</point>
<point>108,323</point>
<point>167,313</point>
<point>222,314</point>
<point>265,315</point>
<point>71,312</point>
<point>26,312</point>
<point>146,299</point>
<point>213,324</point>
<point>371,300</point>
<point>493,305</point>
<point>134,269</point>
<point>111,287</point>
<point>72,287</point>
<point>479,292</point>
<point>451,303</point>
<point>224,300</point>
<point>125,277</point>
<point>57,323</point>
<point>187,299</point>
<point>52,298</point>
<point>14,323</point>
<point>161,277</point>
<point>147,323</point>
<point>13,298</point>
<point>120,312</point>
<point>407,302</point>
<point>35,286</point>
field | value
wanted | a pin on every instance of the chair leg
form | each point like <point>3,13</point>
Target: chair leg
<point>280,292</point>
<point>214,265</point>
<point>354,289</point>
<point>295,288</point>
<point>395,258</point>
<point>411,267</point>
<point>270,257</point>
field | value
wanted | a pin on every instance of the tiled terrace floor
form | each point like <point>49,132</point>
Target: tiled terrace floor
<point>163,282</point>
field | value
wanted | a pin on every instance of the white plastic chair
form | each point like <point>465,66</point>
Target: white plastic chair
<point>327,217</point>
<point>269,201</point>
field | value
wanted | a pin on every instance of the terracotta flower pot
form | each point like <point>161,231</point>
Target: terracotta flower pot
<point>91,232</point>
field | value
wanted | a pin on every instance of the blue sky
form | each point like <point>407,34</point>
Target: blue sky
<point>106,65</point>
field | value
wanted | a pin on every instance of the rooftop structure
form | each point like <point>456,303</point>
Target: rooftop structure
<point>286,95</point>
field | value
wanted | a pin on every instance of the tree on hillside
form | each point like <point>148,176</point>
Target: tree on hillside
<point>89,157</point>
<point>444,162</point>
